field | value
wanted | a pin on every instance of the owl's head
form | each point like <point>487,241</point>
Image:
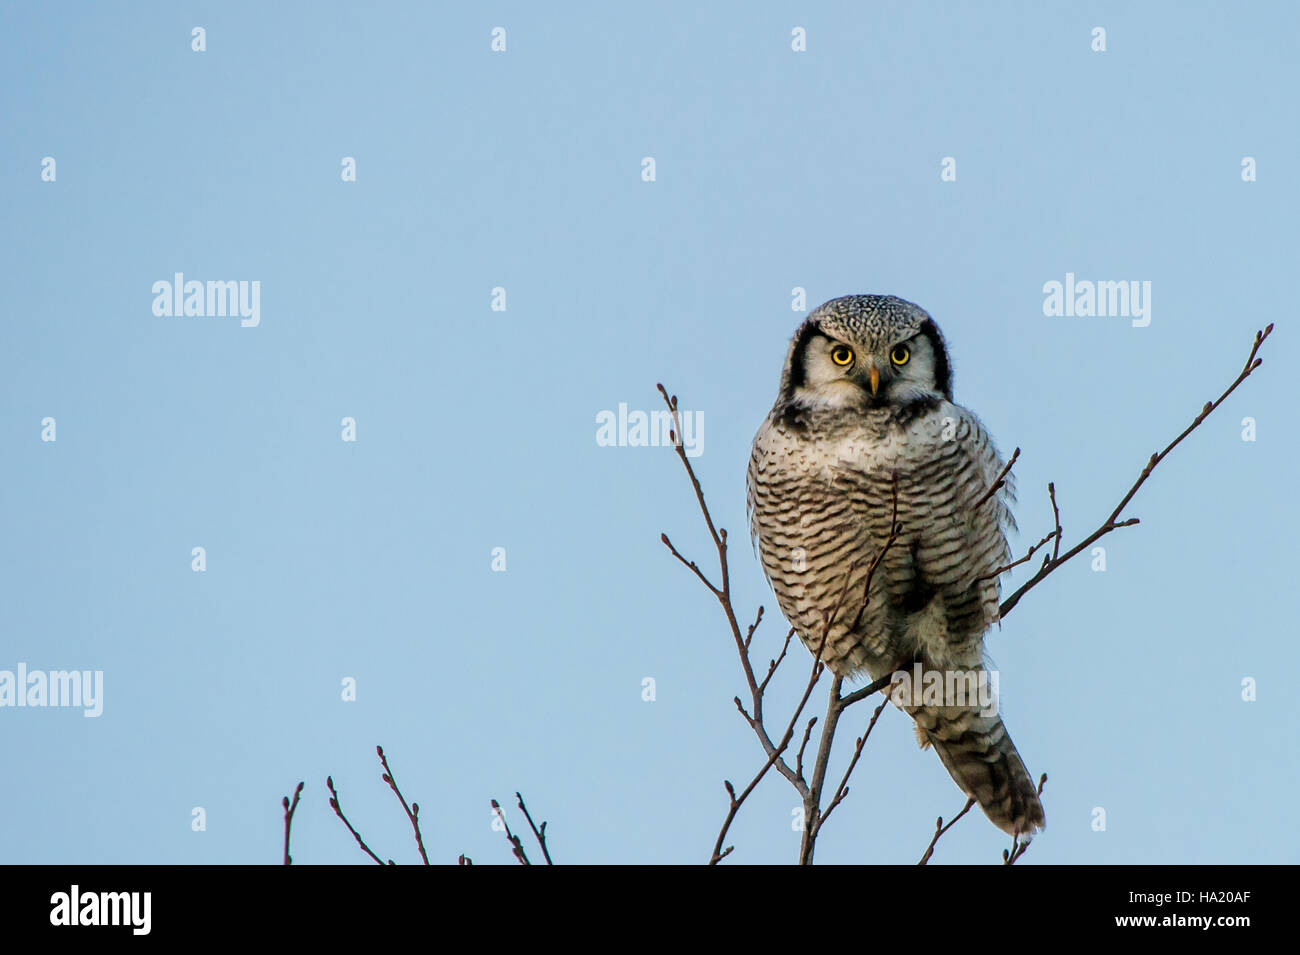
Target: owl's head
<point>867,351</point>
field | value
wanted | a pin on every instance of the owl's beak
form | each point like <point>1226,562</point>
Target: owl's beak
<point>875,380</point>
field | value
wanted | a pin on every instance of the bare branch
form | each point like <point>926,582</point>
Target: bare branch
<point>1016,563</point>
<point>694,568</point>
<point>1112,522</point>
<point>412,811</point>
<point>1056,520</point>
<point>749,634</point>
<point>807,734</point>
<point>338,811</point>
<point>289,809</point>
<point>538,834</point>
<point>849,699</point>
<point>772,665</point>
<point>812,801</point>
<point>998,483</point>
<point>516,844</point>
<point>940,829</point>
<point>843,789</point>
<point>809,792</point>
<point>720,539</point>
<point>736,801</point>
<point>723,595</point>
<point>835,704</point>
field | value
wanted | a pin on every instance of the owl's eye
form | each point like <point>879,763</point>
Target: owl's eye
<point>842,355</point>
<point>900,355</point>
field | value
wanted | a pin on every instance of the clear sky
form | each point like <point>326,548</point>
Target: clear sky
<point>774,169</point>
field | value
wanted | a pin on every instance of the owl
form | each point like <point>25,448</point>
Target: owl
<point>865,436</point>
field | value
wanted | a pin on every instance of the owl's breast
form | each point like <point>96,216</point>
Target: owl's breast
<point>824,503</point>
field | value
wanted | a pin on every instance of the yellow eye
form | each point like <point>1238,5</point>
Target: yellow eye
<point>900,355</point>
<point>842,355</point>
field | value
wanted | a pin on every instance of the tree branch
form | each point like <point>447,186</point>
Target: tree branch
<point>810,793</point>
<point>812,801</point>
<point>338,811</point>
<point>813,816</point>
<point>538,834</point>
<point>289,809</point>
<point>1112,522</point>
<point>1019,848</point>
<point>744,640</point>
<point>817,669</point>
<point>940,829</point>
<point>516,844</point>
<point>843,789</point>
<point>412,811</point>
<point>1054,535</point>
<point>999,482</point>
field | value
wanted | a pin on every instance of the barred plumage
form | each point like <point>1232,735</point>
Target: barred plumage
<point>864,424</point>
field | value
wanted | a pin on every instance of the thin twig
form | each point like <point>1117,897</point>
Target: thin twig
<point>692,565</point>
<point>848,699</point>
<point>412,811</point>
<point>737,801</point>
<point>811,802</point>
<point>516,844</point>
<point>1056,520</point>
<point>843,789</point>
<point>814,818</point>
<point>749,634</point>
<point>1112,522</point>
<point>338,811</point>
<point>1016,563</point>
<point>723,596</point>
<point>998,483</point>
<point>289,809</point>
<point>1019,848</point>
<point>773,664</point>
<point>807,735</point>
<point>538,834</point>
<point>940,829</point>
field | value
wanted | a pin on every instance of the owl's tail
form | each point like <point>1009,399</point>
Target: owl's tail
<point>979,755</point>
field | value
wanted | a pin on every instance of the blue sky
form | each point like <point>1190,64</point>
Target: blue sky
<point>476,428</point>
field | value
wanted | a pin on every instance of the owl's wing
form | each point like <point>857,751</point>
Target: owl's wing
<point>972,743</point>
<point>986,518</point>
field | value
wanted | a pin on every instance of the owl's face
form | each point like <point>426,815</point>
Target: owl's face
<point>867,351</point>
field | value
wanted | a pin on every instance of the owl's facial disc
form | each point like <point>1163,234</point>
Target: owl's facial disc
<point>841,373</point>
<point>834,365</point>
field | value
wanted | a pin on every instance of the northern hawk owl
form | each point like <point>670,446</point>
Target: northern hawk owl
<point>865,423</point>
